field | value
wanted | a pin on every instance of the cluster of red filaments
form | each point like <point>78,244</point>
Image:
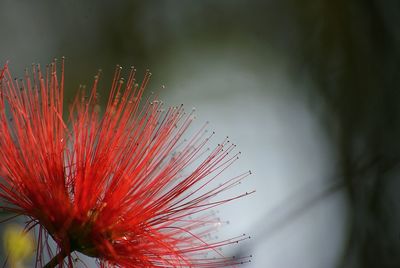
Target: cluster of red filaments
<point>120,185</point>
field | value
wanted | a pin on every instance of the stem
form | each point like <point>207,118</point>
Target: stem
<point>56,260</point>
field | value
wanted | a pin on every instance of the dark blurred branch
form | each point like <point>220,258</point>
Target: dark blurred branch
<point>294,207</point>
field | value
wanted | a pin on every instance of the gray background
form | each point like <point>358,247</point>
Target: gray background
<point>307,89</point>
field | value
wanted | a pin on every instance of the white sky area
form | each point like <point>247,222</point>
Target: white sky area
<point>281,142</point>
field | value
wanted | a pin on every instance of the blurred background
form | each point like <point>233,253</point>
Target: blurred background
<point>309,90</point>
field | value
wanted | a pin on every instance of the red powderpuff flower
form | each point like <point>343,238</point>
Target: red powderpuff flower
<point>114,186</point>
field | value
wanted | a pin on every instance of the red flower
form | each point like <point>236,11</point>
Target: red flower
<point>114,186</point>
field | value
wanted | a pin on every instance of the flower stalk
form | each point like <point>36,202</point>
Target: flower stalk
<point>56,260</point>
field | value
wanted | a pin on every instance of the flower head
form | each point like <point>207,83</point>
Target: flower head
<point>121,186</point>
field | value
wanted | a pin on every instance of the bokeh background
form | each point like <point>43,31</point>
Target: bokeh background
<point>309,90</point>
